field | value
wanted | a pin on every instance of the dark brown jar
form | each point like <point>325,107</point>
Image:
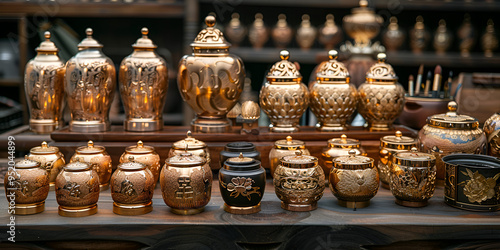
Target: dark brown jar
<point>233,149</point>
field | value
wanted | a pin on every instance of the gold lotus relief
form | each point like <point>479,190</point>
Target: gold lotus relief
<point>479,188</point>
<point>357,181</point>
<point>282,103</point>
<point>241,186</point>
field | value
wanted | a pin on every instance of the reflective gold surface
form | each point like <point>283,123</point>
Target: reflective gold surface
<point>258,33</point>
<point>394,36</point>
<point>330,34</point>
<point>492,130</point>
<point>338,147</point>
<point>143,154</point>
<point>282,33</point>
<point>284,148</point>
<point>99,160</point>
<point>190,145</point>
<point>362,25</point>
<point>50,158</point>
<point>235,31</point>
<point>306,33</point>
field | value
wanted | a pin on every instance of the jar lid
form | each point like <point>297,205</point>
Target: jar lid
<point>343,142</point>
<point>44,149</point>
<point>240,146</point>
<point>250,110</point>
<point>210,37</point>
<point>398,141</point>
<point>47,45</point>
<point>333,70</point>
<point>131,166</point>
<point>452,120</point>
<point>27,163</point>
<point>90,149</point>
<point>240,160</point>
<point>299,161</point>
<point>353,161</point>
<point>414,158</point>
<point>381,72</point>
<point>77,166</point>
<point>189,143</point>
<point>185,160</point>
<point>140,148</point>
<point>89,41</point>
<point>284,70</point>
<point>289,144</point>
<point>144,42</point>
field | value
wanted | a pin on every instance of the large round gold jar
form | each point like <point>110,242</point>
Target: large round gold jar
<point>77,190</point>
<point>191,145</point>
<point>450,133</point>
<point>299,182</point>
<point>492,130</point>
<point>413,176</point>
<point>354,180</point>
<point>381,97</point>
<point>26,187</point>
<point>389,145</point>
<point>143,86</point>
<point>44,86</point>
<point>338,147</point>
<point>90,87</point>
<point>50,158</point>
<point>283,97</point>
<point>186,183</point>
<point>284,148</point>
<point>333,99</point>
<point>99,160</point>
<point>132,188</point>
<point>211,80</point>
<point>143,154</point>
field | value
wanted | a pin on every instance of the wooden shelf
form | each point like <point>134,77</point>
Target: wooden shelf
<point>11,82</point>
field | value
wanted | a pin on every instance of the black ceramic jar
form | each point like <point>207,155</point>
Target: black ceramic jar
<point>242,181</point>
<point>233,149</point>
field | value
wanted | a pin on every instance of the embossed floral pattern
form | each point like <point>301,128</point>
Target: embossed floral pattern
<point>242,186</point>
<point>479,188</point>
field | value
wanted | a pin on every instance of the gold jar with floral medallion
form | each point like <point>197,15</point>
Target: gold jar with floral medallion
<point>284,148</point>
<point>99,160</point>
<point>49,158</point>
<point>144,154</point>
<point>338,147</point>
<point>492,130</point>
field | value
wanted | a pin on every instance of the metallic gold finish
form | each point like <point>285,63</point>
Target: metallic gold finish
<point>90,87</point>
<point>27,187</point>
<point>211,80</point>
<point>353,204</point>
<point>381,97</point>
<point>330,34</point>
<point>77,212</point>
<point>44,87</point>
<point>466,36</point>
<point>191,145</point>
<point>394,36</point>
<point>419,36</point>
<point>143,154</point>
<point>282,34</point>
<point>259,33</point>
<point>338,147</point>
<point>99,160</point>
<point>143,86</point>
<point>235,31</point>
<point>363,24</point>
<point>285,148</point>
<point>332,98</point>
<point>283,97</point>
<point>242,210</point>
<point>442,38</point>
<point>306,33</point>
<point>50,158</point>
<point>489,41</point>
<point>250,114</point>
<point>492,130</point>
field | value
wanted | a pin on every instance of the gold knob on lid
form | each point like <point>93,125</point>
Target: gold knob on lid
<point>284,55</point>
<point>399,135</point>
<point>288,139</point>
<point>414,150</point>
<point>188,134</point>
<point>45,145</point>
<point>241,155</point>
<point>363,3</point>
<point>381,57</point>
<point>89,32</point>
<point>26,157</point>
<point>210,21</point>
<point>90,144</point>
<point>131,158</point>
<point>343,138</point>
<point>298,153</point>
<point>352,153</point>
<point>333,54</point>
<point>452,106</point>
<point>140,144</point>
<point>47,35</point>
<point>144,32</point>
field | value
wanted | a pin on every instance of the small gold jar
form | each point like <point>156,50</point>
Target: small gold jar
<point>26,187</point>
<point>389,145</point>
<point>77,190</point>
<point>299,182</point>
<point>354,180</point>
<point>132,189</point>
<point>284,148</point>
<point>492,130</point>
<point>191,145</point>
<point>338,147</point>
<point>99,160</point>
<point>50,158</point>
<point>413,176</point>
<point>143,154</point>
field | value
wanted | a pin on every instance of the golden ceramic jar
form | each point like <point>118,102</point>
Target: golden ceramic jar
<point>381,97</point>
<point>143,154</point>
<point>285,148</point>
<point>354,180</point>
<point>44,87</point>
<point>284,98</point>
<point>211,80</point>
<point>132,189</point>
<point>26,187</point>
<point>338,147</point>
<point>90,87</point>
<point>332,98</point>
<point>450,133</point>
<point>186,183</point>
<point>99,160</point>
<point>77,190</point>
<point>191,145</point>
<point>143,86</point>
<point>363,24</point>
<point>390,145</point>
<point>413,176</point>
<point>492,130</point>
<point>299,182</point>
<point>50,158</point>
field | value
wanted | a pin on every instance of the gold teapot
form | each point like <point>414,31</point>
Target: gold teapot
<point>143,86</point>
<point>100,161</point>
<point>284,148</point>
<point>44,87</point>
<point>338,147</point>
<point>211,80</point>
<point>143,154</point>
<point>50,158</point>
<point>90,87</point>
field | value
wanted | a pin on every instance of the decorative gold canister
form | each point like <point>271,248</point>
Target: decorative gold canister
<point>284,98</point>
<point>284,148</point>
<point>211,80</point>
<point>191,145</point>
<point>338,147</point>
<point>354,180</point>
<point>99,160</point>
<point>143,86</point>
<point>492,130</point>
<point>332,98</point>
<point>186,183</point>
<point>143,154</point>
<point>77,190</point>
<point>50,158</point>
<point>389,145</point>
<point>381,97</point>
<point>44,86</point>
<point>413,176</point>
<point>90,87</point>
<point>132,188</point>
<point>26,187</point>
<point>299,182</point>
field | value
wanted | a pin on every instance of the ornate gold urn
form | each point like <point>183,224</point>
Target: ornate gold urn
<point>100,161</point>
<point>44,86</point>
<point>381,97</point>
<point>90,87</point>
<point>211,80</point>
<point>143,86</point>
<point>284,98</point>
<point>143,154</point>
<point>332,98</point>
<point>50,158</point>
<point>492,130</point>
